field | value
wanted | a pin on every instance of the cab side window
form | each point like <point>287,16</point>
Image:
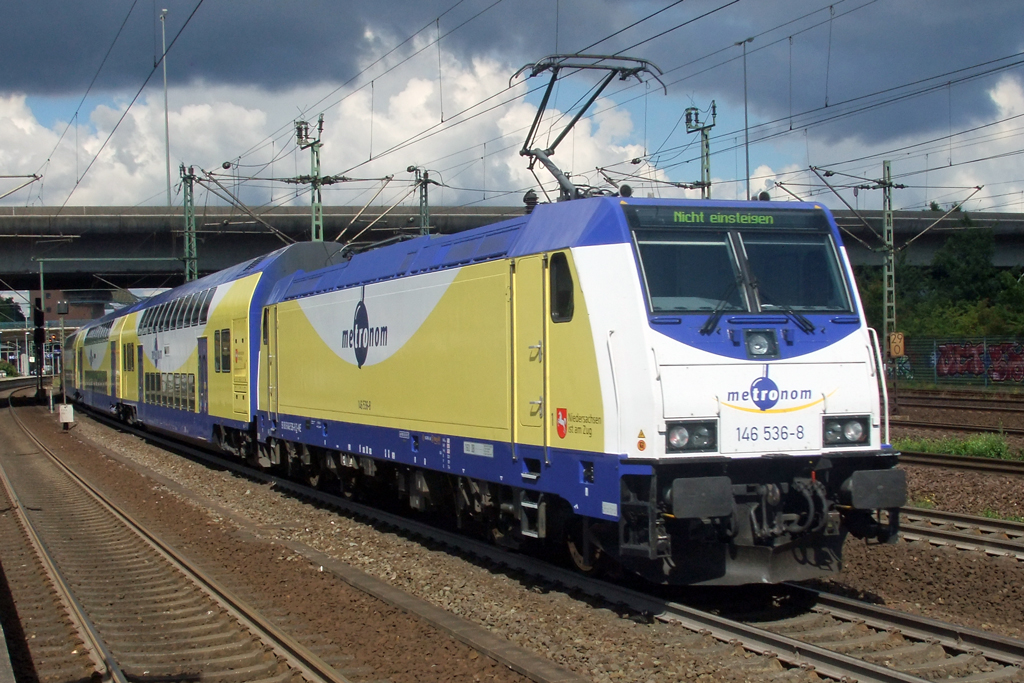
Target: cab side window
<point>561,289</point>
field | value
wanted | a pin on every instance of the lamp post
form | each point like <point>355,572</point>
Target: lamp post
<point>746,128</point>
<point>167,131</point>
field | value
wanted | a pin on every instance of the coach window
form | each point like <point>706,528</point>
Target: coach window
<point>196,305</point>
<point>182,319</point>
<point>225,350</point>
<point>164,310</point>
<point>169,314</point>
<point>561,289</point>
<point>216,351</point>
<point>206,306</point>
<point>179,312</point>
<point>186,315</point>
<point>266,321</point>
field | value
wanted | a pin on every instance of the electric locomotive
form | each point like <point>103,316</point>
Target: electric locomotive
<point>688,388</point>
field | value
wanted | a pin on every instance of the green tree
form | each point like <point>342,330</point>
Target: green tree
<point>962,267</point>
<point>10,312</point>
<point>960,295</point>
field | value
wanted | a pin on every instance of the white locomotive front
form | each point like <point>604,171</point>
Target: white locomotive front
<point>745,342</point>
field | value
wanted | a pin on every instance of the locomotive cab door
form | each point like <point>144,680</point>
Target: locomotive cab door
<point>529,355</point>
<point>270,342</point>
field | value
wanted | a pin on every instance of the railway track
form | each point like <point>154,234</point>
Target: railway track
<point>141,609</point>
<point>958,398</point>
<point>985,405</point>
<point>838,638</point>
<point>963,462</point>
<point>956,427</point>
<point>967,532</point>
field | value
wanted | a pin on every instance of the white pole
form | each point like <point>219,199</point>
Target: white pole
<point>167,132</point>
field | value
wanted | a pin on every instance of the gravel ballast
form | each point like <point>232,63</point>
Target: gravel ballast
<point>962,587</point>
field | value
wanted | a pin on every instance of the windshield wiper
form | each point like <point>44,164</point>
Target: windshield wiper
<point>712,322</point>
<point>805,325</point>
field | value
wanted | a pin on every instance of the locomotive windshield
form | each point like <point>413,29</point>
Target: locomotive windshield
<point>709,259</point>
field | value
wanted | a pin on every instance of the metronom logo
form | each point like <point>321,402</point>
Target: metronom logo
<point>361,337</point>
<point>765,393</point>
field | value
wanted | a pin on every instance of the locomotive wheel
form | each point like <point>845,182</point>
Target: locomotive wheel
<point>578,560</point>
<point>313,473</point>
<point>574,548</point>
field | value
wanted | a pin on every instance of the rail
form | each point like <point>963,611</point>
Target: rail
<point>962,462</point>
<point>967,532</point>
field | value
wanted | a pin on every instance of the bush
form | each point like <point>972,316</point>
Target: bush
<point>8,368</point>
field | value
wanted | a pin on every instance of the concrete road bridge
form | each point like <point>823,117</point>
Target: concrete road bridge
<point>140,247</point>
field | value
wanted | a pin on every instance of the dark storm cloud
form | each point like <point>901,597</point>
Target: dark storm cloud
<point>53,48</point>
<point>881,45</point>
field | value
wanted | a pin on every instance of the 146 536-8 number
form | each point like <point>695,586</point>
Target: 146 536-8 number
<point>770,433</point>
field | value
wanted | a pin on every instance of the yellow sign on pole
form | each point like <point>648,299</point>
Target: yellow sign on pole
<point>897,347</point>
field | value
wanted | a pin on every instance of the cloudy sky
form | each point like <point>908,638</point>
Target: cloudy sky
<point>935,86</point>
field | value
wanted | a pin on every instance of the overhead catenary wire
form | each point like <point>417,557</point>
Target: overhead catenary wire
<point>318,103</point>
<point>434,130</point>
<point>431,131</point>
<point>78,109</point>
<point>128,108</point>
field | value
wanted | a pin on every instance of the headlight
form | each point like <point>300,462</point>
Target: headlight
<point>758,344</point>
<point>678,437</point>
<point>690,437</point>
<point>853,431</point>
<point>761,343</point>
<point>702,437</point>
<point>845,431</point>
<point>833,432</point>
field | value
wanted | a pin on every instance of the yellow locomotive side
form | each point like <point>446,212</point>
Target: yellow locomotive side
<point>483,360</point>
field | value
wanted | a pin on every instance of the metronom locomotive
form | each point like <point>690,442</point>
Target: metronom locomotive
<point>688,388</point>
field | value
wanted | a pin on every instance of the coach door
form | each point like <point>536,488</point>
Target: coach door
<point>240,366</point>
<point>115,385</point>
<point>204,376</point>
<point>141,373</point>
<point>529,356</point>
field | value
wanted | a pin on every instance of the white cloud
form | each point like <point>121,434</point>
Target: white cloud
<point>252,126</point>
<point>474,149</point>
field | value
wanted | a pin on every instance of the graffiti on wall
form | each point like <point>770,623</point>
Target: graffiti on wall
<point>1002,362</point>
